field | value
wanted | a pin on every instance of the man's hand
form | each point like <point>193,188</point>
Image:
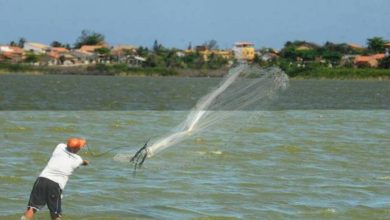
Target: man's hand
<point>85,163</point>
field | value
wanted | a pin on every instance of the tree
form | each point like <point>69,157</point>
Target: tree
<point>385,63</point>
<point>67,46</point>
<point>215,61</point>
<point>89,38</point>
<point>211,45</point>
<point>155,61</point>
<point>21,42</point>
<point>56,44</point>
<point>13,44</point>
<point>62,59</point>
<point>376,44</point>
<point>332,56</point>
<point>157,47</point>
<point>142,51</point>
<point>31,58</point>
<point>103,51</point>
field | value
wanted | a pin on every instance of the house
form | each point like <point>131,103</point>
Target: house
<point>37,48</point>
<point>136,61</point>
<point>370,61</point>
<point>57,56</point>
<point>244,51</point>
<point>11,54</point>
<point>206,53</point>
<point>5,48</point>
<point>268,56</point>
<point>60,50</point>
<point>90,48</point>
<point>81,57</point>
<point>122,50</point>
<point>348,60</point>
<point>49,59</point>
<point>124,54</point>
<point>221,53</point>
<point>355,46</point>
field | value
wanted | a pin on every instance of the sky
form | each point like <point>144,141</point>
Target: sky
<point>176,23</point>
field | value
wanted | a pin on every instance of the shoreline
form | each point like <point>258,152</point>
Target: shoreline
<point>115,70</point>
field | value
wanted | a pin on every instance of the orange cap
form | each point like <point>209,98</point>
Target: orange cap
<point>76,142</point>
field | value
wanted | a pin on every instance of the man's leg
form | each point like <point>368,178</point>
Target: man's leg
<point>37,199</point>
<point>55,216</point>
<point>29,213</point>
<point>54,200</point>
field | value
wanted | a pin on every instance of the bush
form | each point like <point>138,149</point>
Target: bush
<point>385,63</point>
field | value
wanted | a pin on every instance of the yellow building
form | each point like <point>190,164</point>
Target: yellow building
<point>244,51</point>
<point>205,53</point>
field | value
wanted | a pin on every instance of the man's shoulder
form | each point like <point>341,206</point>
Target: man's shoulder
<point>61,146</point>
<point>61,149</point>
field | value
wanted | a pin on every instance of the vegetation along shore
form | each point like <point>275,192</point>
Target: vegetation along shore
<point>91,55</point>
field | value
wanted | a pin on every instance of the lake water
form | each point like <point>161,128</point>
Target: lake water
<point>321,151</point>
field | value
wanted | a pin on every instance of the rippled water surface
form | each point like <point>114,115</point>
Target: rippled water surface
<point>287,164</point>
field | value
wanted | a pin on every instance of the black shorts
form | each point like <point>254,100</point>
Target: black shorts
<point>44,192</point>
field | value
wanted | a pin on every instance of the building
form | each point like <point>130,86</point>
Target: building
<point>370,61</point>
<point>82,57</point>
<point>90,48</point>
<point>244,51</point>
<point>60,50</point>
<point>206,53</point>
<point>126,54</point>
<point>11,54</point>
<point>355,46</point>
<point>37,48</point>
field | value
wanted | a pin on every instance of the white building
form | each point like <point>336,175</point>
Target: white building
<point>5,48</point>
<point>244,51</point>
<point>35,47</point>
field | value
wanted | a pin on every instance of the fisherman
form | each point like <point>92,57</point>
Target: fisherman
<point>51,182</point>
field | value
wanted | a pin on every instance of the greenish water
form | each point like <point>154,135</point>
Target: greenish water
<point>314,160</point>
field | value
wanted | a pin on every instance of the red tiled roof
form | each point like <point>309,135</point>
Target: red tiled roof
<point>59,49</point>
<point>378,56</point>
<point>54,55</point>
<point>355,46</point>
<point>17,49</point>
<point>359,59</point>
<point>90,48</point>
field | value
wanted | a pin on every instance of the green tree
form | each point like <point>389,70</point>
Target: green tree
<point>376,44</point>
<point>215,61</point>
<point>154,60</point>
<point>89,38</point>
<point>103,51</point>
<point>31,58</point>
<point>157,47</point>
<point>142,51</point>
<point>21,42</point>
<point>256,59</point>
<point>13,44</point>
<point>56,44</point>
<point>385,63</point>
<point>211,45</point>
<point>62,59</point>
<point>67,46</point>
<point>332,56</point>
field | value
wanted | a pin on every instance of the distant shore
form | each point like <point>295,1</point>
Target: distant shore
<point>122,70</point>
